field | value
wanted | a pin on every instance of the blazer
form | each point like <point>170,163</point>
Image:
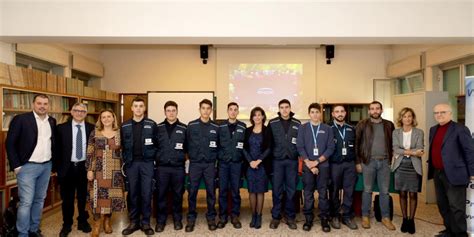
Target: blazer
<point>417,143</point>
<point>457,154</point>
<point>22,137</point>
<point>64,141</point>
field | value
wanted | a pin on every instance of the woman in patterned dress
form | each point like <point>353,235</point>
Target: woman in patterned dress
<point>106,183</point>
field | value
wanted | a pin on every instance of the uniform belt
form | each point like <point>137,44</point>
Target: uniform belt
<point>33,162</point>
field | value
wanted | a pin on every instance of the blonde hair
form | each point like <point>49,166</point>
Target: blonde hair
<point>402,112</point>
<point>100,126</point>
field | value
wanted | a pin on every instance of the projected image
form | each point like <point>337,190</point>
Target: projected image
<point>264,85</point>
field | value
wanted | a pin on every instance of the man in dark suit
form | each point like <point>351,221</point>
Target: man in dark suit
<point>451,164</point>
<point>70,162</point>
<point>30,144</point>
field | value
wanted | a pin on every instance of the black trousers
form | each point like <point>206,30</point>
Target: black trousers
<point>72,184</point>
<point>170,179</point>
<point>140,175</point>
<point>311,183</point>
<point>198,172</point>
<point>451,204</point>
<point>343,177</point>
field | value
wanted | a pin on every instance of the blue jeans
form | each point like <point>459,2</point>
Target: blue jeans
<point>32,183</point>
<point>376,170</point>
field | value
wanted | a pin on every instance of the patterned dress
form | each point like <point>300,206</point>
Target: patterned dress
<point>106,191</point>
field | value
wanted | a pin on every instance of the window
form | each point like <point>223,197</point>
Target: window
<point>410,84</point>
<point>451,84</point>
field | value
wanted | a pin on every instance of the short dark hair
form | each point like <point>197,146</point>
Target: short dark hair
<point>337,105</point>
<point>376,103</point>
<point>254,111</point>
<point>232,104</point>
<point>314,106</point>
<point>205,101</point>
<point>170,103</point>
<point>44,96</point>
<point>138,99</point>
<point>284,101</point>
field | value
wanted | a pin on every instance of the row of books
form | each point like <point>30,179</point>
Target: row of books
<point>39,80</point>
<point>97,106</point>
<point>60,118</point>
<point>13,99</point>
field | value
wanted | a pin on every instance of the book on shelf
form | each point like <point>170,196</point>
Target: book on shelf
<point>4,74</point>
<point>80,87</point>
<point>61,84</point>
<point>52,82</point>
<point>16,76</point>
<point>9,175</point>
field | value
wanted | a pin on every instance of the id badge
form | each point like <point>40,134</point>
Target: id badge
<point>179,146</point>
<point>148,141</point>
<point>316,151</point>
<point>344,151</point>
<point>293,140</point>
<point>240,145</point>
<point>212,144</point>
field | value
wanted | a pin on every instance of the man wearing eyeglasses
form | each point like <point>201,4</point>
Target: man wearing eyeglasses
<point>70,163</point>
<point>451,165</point>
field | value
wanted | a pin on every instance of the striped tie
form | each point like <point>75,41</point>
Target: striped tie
<point>79,143</point>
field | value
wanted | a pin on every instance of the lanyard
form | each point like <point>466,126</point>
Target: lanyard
<point>315,137</point>
<point>343,135</point>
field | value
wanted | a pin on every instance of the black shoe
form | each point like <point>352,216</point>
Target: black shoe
<point>159,227</point>
<point>190,226</point>
<point>274,224</point>
<point>325,225</point>
<point>349,223</point>
<point>404,227</point>
<point>258,221</point>
<point>236,222</point>
<point>147,230</point>
<point>411,226</point>
<point>84,227</point>
<point>292,224</point>
<point>307,225</point>
<point>221,224</point>
<point>178,225</point>
<point>252,222</point>
<point>35,234</point>
<point>65,231</point>
<point>211,225</point>
<point>335,223</point>
<point>132,227</point>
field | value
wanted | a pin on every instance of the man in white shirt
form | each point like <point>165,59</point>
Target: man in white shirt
<point>30,145</point>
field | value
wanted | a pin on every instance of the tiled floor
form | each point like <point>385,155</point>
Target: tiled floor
<point>428,223</point>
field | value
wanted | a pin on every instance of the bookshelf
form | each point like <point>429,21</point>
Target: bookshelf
<point>355,112</point>
<point>18,86</point>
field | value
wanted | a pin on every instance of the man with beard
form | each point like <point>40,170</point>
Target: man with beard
<point>373,159</point>
<point>343,173</point>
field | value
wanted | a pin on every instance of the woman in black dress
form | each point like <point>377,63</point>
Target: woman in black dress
<point>255,151</point>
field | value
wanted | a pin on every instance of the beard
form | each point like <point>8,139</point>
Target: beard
<point>375,116</point>
<point>339,119</point>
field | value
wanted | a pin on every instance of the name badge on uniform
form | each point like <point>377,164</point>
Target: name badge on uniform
<point>293,140</point>
<point>148,141</point>
<point>316,151</point>
<point>344,151</point>
<point>179,146</point>
<point>240,145</point>
<point>212,144</point>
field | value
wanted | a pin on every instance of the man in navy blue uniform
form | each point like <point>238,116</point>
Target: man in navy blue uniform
<point>343,171</point>
<point>231,138</point>
<point>139,147</point>
<point>315,144</point>
<point>170,174</point>
<point>203,138</point>
<point>282,134</point>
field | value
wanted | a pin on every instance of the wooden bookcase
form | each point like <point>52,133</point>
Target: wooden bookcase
<point>17,99</point>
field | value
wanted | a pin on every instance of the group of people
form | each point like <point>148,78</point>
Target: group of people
<point>113,168</point>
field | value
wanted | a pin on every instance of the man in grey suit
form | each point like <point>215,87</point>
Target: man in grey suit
<point>451,165</point>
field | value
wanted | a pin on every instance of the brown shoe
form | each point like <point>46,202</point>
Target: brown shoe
<point>96,227</point>
<point>388,223</point>
<point>107,224</point>
<point>365,222</point>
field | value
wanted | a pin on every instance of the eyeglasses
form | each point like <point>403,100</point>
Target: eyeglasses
<point>79,111</point>
<point>441,112</point>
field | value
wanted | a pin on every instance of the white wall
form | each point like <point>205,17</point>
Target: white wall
<point>138,69</point>
<point>7,54</point>
<point>223,22</point>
